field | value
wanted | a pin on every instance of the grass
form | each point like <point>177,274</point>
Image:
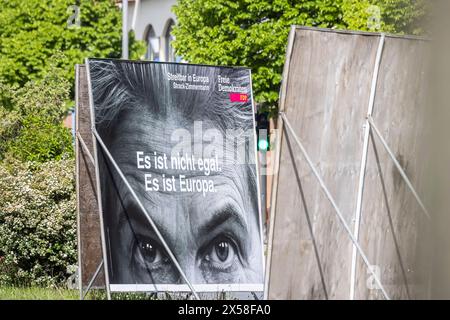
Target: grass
<point>36,293</point>
<point>39,293</point>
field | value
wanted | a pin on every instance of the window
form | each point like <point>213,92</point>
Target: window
<point>170,53</point>
<point>153,45</point>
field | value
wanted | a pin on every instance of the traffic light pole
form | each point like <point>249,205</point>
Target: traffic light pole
<point>263,189</point>
<point>263,145</point>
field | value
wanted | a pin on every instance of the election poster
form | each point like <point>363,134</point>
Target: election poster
<point>183,137</point>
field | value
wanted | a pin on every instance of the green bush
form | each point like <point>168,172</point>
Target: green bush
<point>32,31</point>
<point>31,123</point>
<point>37,222</point>
<point>38,51</point>
<point>37,196</point>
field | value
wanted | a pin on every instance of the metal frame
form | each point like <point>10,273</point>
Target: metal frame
<point>84,147</point>
<point>77,168</point>
<point>362,173</point>
<point>91,282</point>
<point>94,159</point>
<point>79,141</point>
<point>99,198</point>
<point>354,237</point>
<point>335,207</point>
<point>399,167</point>
<point>147,215</point>
<point>369,124</point>
<point>261,206</point>
<point>278,142</point>
<point>232,288</point>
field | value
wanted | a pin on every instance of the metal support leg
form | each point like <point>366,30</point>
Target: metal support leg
<point>399,167</point>
<point>91,282</point>
<point>85,148</point>
<point>146,214</point>
<point>336,208</point>
<point>362,172</point>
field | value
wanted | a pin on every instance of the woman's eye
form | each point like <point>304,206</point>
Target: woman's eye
<point>150,263</point>
<point>151,252</point>
<point>222,252</point>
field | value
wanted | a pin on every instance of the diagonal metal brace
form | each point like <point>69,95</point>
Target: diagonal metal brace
<point>91,282</point>
<point>85,148</point>
<point>399,167</point>
<point>334,205</point>
<point>146,214</point>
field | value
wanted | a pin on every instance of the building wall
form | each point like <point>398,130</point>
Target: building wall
<point>155,13</point>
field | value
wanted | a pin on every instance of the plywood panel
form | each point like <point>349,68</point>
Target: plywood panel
<point>89,241</point>
<point>325,96</point>
<point>392,221</point>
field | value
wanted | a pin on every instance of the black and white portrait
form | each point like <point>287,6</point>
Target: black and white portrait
<point>183,136</point>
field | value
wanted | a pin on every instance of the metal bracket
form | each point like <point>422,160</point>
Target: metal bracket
<point>362,172</point>
<point>91,282</point>
<point>399,167</point>
<point>146,214</point>
<point>333,203</point>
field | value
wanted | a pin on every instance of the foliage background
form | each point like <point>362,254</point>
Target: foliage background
<point>37,207</point>
<point>31,127</point>
<point>32,31</point>
<point>38,53</point>
<point>37,222</point>
<point>254,33</point>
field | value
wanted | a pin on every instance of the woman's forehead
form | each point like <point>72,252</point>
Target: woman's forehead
<point>173,136</point>
<point>139,135</point>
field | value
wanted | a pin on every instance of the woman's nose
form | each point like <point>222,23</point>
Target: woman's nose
<point>192,272</point>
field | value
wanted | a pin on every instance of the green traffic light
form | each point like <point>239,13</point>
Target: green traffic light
<point>263,145</point>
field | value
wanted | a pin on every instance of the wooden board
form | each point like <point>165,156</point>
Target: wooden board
<point>325,95</point>
<point>89,241</point>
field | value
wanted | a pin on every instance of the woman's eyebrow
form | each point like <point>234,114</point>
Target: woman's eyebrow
<point>133,216</point>
<point>220,216</point>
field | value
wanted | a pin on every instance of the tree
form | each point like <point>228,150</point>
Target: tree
<point>254,33</point>
<point>31,124</point>
<point>37,207</point>
<point>32,31</point>
<point>38,51</point>
<point>394,16</point>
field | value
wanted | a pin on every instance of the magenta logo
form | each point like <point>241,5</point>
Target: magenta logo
<point>238,97</point>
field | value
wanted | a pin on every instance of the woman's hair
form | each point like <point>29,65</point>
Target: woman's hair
<point>122,85</point>
<point>129,96</point>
